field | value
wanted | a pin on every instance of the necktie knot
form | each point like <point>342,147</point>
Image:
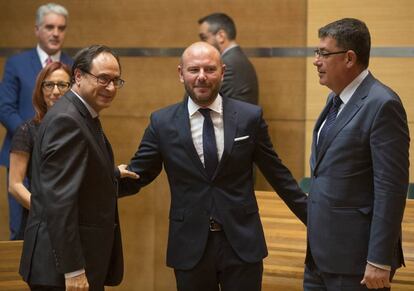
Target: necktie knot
<point>337,101</point>
<point>205,112</point>
<point>49,60</point>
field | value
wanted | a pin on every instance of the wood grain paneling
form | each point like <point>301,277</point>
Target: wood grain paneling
<point>288,138</point>
<point>155,23</point>
<point>282,87</point>
<point>390,24</point>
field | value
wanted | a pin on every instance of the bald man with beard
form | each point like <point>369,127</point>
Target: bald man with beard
<point>207,145</point>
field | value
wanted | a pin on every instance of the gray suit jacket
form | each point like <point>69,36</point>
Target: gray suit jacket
<point>240,80</point>
<point>359,180</point>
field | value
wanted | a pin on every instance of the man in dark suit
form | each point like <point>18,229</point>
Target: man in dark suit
<point>72,237</point>
<point>240,80</point>
<point>359,169</point>
<point>16,89</point>
<point>207,144</point>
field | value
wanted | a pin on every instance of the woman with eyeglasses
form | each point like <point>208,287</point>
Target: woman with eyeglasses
<point>52,82</point>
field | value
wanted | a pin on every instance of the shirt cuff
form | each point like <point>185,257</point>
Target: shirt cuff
<point>74,273</point>
<point>383,267</point>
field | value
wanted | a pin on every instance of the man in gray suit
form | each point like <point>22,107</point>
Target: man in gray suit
<point>240,80</point>
<point>359,169</point>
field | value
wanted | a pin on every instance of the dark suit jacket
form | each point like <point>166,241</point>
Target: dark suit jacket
<point>16,91</point>
<point>167,141</point>
<point>73,219</point>
<point>240,80</point>
<point>359,181</point>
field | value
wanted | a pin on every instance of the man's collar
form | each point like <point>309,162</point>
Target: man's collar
<point>216,106</point>
<point>233,45</point>
<point>43,55</point>
<point>349,90</point>
<point>90,109</point>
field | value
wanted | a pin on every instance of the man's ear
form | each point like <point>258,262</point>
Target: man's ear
<point>221,36</point>
<point>180,73</point>
<point>77,76</point>
<point>351,58</point>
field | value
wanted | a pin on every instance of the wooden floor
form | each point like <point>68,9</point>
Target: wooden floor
<point>286,241</point>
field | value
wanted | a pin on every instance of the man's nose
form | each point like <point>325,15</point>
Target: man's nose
<point>317,62</point>
<point>202,75</point>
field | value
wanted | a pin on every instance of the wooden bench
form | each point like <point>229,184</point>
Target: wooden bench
<point>286,242</point>
<point>10,280</point>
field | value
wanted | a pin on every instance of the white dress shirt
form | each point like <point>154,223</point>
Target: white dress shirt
<point>196,124</point>
<point>43,56</point>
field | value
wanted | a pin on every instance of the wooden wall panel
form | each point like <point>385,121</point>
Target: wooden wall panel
<point>288,138</point>
<point>282,87</point>
<point>390,23</point>
<point>155,23</point>
<point>151,83</point>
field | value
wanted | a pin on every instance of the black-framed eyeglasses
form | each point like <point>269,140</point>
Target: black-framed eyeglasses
<point>322,54</point>
<point>50,85</point>
<point>105,80</point>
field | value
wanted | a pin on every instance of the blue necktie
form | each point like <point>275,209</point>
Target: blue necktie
<point>209,143</point>
<point>330,119</point>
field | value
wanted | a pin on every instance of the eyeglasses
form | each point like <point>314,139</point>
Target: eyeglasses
<point>50,86</point>
<point>322,54</point>
<point>104,80</point>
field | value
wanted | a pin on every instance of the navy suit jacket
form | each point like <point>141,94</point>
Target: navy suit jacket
<point>240,79</point>
<point>167,141</point>
<point>359,181</point>
<point>16,91</point>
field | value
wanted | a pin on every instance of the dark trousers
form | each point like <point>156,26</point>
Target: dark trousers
<point>220,269</point>
<point>315,280</point>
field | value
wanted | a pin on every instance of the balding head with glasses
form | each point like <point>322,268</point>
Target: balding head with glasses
<point>96,76</point>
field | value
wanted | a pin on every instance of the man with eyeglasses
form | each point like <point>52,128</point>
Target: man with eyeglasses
<point>73,239</point>
<point>19,79</point>
<point>359,169</point>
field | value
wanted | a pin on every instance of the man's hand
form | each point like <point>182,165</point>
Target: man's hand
<point>77,283</point>
<point>375,278</point>
<point>126,173</point>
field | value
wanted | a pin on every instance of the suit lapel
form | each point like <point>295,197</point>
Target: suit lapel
<point>103,150</point>
<point>182,123</point>
<point>229,128</point>
<point>318,124</point>
<point>36,66</point>
<point>351,108</point>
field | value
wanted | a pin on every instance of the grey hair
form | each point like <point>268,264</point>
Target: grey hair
<point>50,8</point>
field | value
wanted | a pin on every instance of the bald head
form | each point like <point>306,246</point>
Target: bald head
<point>201,71</point>
<point>198,49</point>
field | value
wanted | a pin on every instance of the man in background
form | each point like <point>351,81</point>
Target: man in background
<point>359,169</point>
<point>16,89</point>
<point>240,80</point>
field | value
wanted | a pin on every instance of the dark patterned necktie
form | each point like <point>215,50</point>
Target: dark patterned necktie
<point>209,143</point>
<point>330,119</point>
